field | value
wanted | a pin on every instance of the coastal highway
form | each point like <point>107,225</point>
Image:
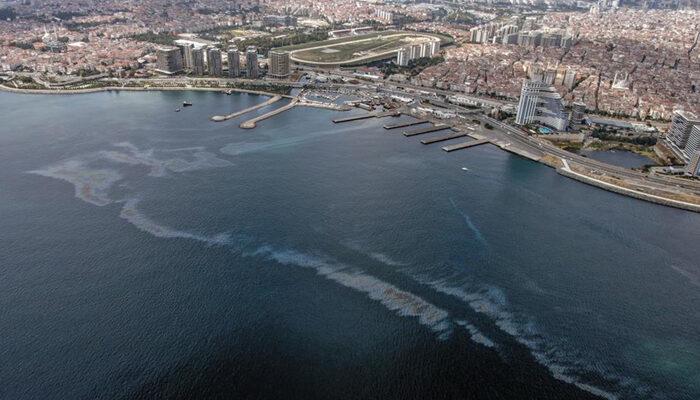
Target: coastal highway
<point>544,147</point>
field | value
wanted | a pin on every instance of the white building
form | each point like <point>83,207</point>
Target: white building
<point>684,133</point>
<point>402,57</point>
<point>541,103</point>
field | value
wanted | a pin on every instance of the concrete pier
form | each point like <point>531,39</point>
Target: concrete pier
<point>435,128</point>
<point>443,138</point>
<point>326,106</point>
<point>272,100</point>
<point>367,116</point>
<point>406,125</point>
<point>465,145</point>
<point>251,123</point>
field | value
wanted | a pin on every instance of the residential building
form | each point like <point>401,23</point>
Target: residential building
<point>234,63</point>
<point>187,55</point>
<point>168,60</point>
<point>693,167</point>
<point>693,144</point>
<point>198,61</point>
<point>214,62</point>
<point>279,20</point>
<point>402,57</point>
<point>251,58</point>
<point>540,103</point>
<point>279,64</point>
<point>679,134</point>
<point>578,111</point>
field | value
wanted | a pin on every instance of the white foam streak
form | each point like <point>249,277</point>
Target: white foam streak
<point>491,302</point>
<point>385,259</point>
<point>475,334</point>
<point>131,213</point>
<point>403,303</point>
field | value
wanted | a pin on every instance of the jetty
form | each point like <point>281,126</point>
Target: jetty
<point>368,116</point>
<point>464,145</point>
<point>272,100</point>
<point>435,128</point>
<point>407,124</point>
<point>251,123</point>
<point>444,138</point>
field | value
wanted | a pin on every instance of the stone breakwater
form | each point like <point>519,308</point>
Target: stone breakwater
<point>251,123</point>
<point>272,100</point>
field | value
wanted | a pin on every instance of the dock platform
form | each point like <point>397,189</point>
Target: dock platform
<point>465,145</point>
<point>407,124</point>
<point>367,116</point>
<point>444,138</point>
<point>435,128</point>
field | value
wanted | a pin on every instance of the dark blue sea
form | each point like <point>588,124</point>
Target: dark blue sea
<point>148,254</point>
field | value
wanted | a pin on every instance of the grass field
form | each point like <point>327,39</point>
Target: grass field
<point>355,50</point>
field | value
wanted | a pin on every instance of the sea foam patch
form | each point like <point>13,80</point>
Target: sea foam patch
<point>475,334</point>
<point>403,303</point>
<point>564,365</point>
<point>91,184</point>
<point>196,159</point>
<point>131,213</point>
<point>277,143</point>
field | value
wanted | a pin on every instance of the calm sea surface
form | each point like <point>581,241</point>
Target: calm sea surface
<point>150,254</point>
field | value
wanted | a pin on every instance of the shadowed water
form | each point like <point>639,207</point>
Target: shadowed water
<point>152,254</point>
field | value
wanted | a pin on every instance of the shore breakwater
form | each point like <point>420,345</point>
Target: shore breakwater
<point>272,100</point>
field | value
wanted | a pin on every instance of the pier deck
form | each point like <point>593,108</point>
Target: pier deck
<point>464,145</point>
<point>406,125</point>
<point>367,116</point>
<point>435,128</point>
<point>444,138</point>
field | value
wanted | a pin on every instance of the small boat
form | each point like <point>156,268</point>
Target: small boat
<point>177,110</point>
<point>229,92</point>
<point>465,169</point>
<point>186,104</point>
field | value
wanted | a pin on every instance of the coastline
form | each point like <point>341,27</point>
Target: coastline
<point>664,201</point>
<point>134,89</point>
<point>659,200</point>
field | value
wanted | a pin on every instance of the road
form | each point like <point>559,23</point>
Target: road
<point>544,147</point>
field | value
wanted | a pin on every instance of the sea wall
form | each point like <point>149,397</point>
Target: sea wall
<point>629,192</point>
